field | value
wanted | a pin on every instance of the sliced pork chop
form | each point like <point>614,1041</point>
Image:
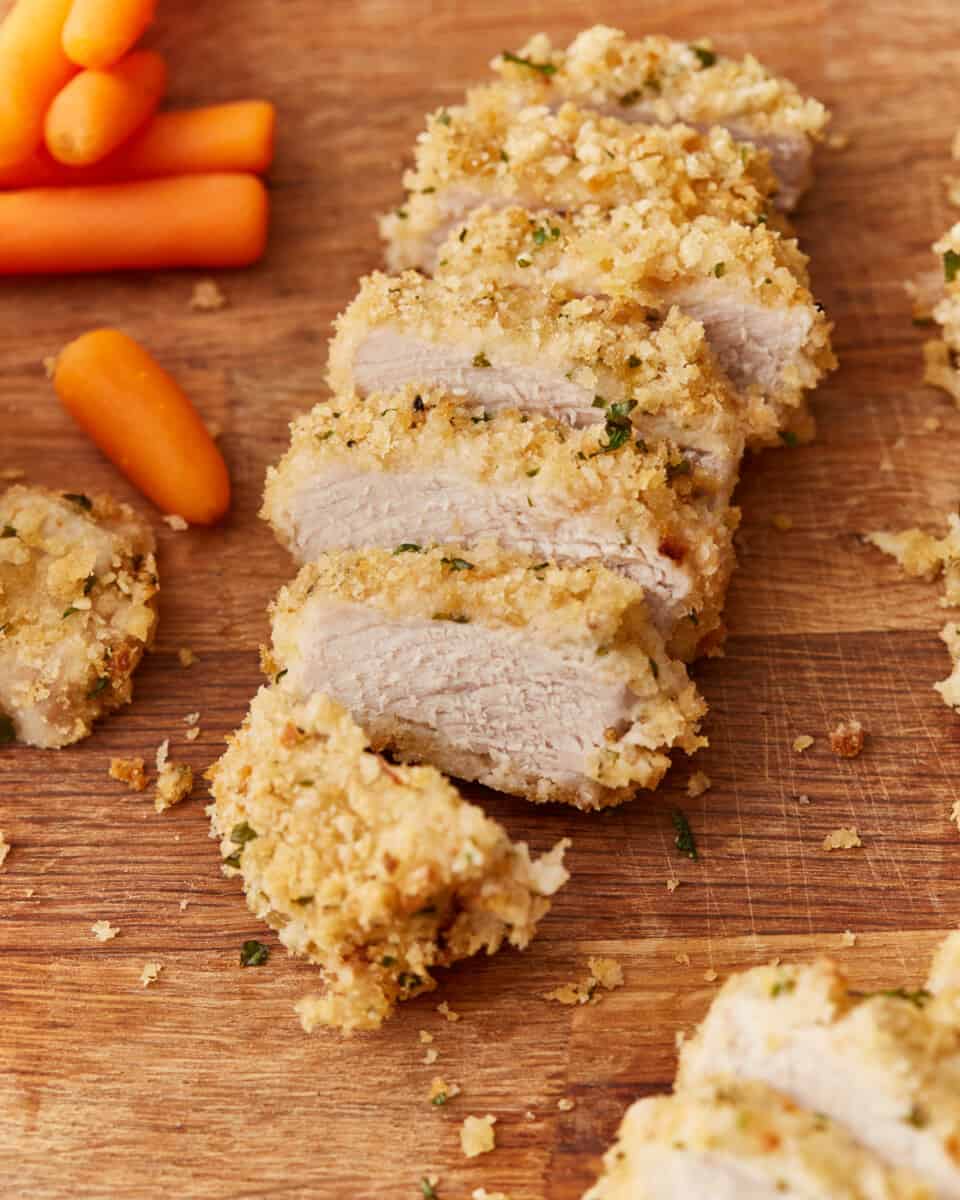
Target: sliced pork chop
<point>748,287</point>
<point>543,350</point>
<point>78,608</point>
<point>886,1065</point>
<point>377,872</point>
<point>658,79</point>
<point>729,1140</point>
<point>542,681</point>
<point>412,469</point>
<point>488,152</point>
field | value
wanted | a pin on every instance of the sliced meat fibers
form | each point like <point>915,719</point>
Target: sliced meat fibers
<point>420,469</point>
<point>542,681</point>
<point>377,872</point>
<point>487,152</point>
<point>748,287</point>
<point>544,350</point>
<point>658,79</point>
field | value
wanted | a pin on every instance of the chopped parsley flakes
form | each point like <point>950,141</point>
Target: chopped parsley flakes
<point>684,839</point>
<point>545,68</point>
<point>242,833</point>
<point>707,57</point>
<point>951,265</point>
<point>408,548</point>
<point>253,953</point>
<point>789,438</point>
<point>481,360</point>
<point>79,499</point>
<point>457,564</point>
<point>101,684</point>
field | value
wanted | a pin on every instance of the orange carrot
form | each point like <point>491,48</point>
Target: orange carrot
<point>33,68</point>
<point>186,221</point>
<point>144,423</point>
<point>221,137</point>
<point>99,110</point>
<point>99,33</point>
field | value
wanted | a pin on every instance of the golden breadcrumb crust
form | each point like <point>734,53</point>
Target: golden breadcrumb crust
<point>942,357</point>
<point>78,608</point>
<point>379,873</point>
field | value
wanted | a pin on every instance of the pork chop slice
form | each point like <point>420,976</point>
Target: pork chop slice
<point>885,1065</point>
<point>729,1140</point>
<point>747,286</point>
<point>658,79</point>
<point>547,682</point>
<point>487,151</point>
<point>545,351</point>
<point>377,872</point>
<point>412,469</point>
<point>78,609</point>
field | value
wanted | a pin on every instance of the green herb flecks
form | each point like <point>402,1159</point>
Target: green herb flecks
<point>8,531</point>
<point>439,1100</point>
<point>232,860</point>
<point>545,68</point>
<point>429,1191</point>
<point>407,980</point>
<point>951,265</point>
<point>720,269</point>
<point>242,833</point>
<point>481,360</point>
<point>322,437</point>
<point>917,1117</point>
<point>533,472</point>
<point>706,56</point>
<point>783,987</point>
<point>388,961</point>
<point>444,117</point>
<point>68,612</point>
<point>618,425</point>
<point>79,499</point>
<point>456,618</point>
<point>684,839</point>
<point>402,213</point>
<point>253,953</point>
<point>89,583</point>
<point>789,438</point>
<point>457,564</point>
<point>101,685</point>
<point>679,469</point>
<point>408,548</point>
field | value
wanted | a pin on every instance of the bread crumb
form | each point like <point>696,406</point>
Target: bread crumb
<point>192,734</point>
<point>30,891</point>
<point>842,839</point>
<point>174,783</point>
<point>150,973</point>
<point>529,1115</point>
<point>129,771</point>
<point>838,141</point>
<point>183,904</point>
<point>607,972</point>
<point>477,1135</point>
<point>846,741</point>
<point>425,1037</point>
<point>565,1105</point>
<point>672,885</point>
<point>803,742</point>
<point>710,975</point>
<point>803,799</point>
<point>697,784</point>
<point>186,656</point>
<point>604,973</point>
<point>441,1091</point>
<point>191,718</point>
<point>162,751</point>
<point>207,296</point>
<point>4,849</point>
<point>682,958</point>
<point>430,1057</point>
<point>103,931</point>
<point>782,522</point>
<point>50,366</point>
<point>678,1039</point>
<point>482,1194</point>
<point>932,424</point>
<point>848,938</point>
<point>445,1010</point>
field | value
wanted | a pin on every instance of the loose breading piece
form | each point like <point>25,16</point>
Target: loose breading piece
<point>748,287</point>
<point>407,470</point>
<point>542,681</point>
<point>924,556</point>
<point>730,1140</point>
<point>487,152</point>
<point>379,873</point>
<point>658,79</point>
<point>885,1065</point>
<point>949,688</point>
<point>545,350</point>
<point>942,357</point>
<point>78,608</point>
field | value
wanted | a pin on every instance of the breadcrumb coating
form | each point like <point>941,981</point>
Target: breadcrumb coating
<point>719,272</point>
<point>942,358</point>
<point>949,688</point>
<point>78,608</point>
<point>588,614</point>
<point>584,352</point>
<point>488,152</point>
<point>378,873</point>
<point>575,500</point>
<point>924,556</point>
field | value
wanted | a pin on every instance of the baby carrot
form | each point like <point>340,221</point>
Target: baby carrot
<point>144,423</point>
<point>186,221</point>
<point>33,68</point>
<point>221,137</point>
<point>99,110</point>
<point>99,33</point>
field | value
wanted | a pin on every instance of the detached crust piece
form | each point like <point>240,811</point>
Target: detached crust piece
<point>488,152</point>
<point>542,681</point>
<point>942,358</point>
<point>78,608</point>
<point>414,469</point>
<point>658,79</point>
<point>379,873</point>
<point>748,286</point>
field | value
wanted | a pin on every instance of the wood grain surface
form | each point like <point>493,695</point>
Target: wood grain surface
<point>203,1086</point>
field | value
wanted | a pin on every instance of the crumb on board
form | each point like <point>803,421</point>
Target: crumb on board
<point>4,848</point>
<point>174,783</point>
<point>672,884</point>
<point>150,973</point>
<point>803,742</point>
<point>842,839</point>
<point>477,1135</point>
<point>425,1037</point>
<point>710,975</point>
<point>848,938</point>
<point>529,1115</point>
<point>193,734</point>
<point>103,931</point>
<point>932,424</point>
<point>566,1104</point>
<point>444,1009</point>
<point>846,740</point>
<point>949,688</point>
<point>430,1056</point>
<point>183,904</point>
<point>49,365</point>
<point>682,957</point>
<point>838,141</point>
<point>129,771</point>
<point>176,522</point>
<point>207,296</point>
<point>698,783</point>
<point>803,798</point>
<point>782,522</point>
<point>162,751</point>
<point>186,656</point>
<point>191,718</point>
<point>605,973</point>
<point>441,1091</point>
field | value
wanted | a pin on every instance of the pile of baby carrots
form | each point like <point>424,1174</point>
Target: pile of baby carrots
<point>92,177</point>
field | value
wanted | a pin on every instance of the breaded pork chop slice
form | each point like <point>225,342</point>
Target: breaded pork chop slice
<point>747,286</point>
<point>545,350</point>
<point>542,681</point>
<point>487,152</point>
<point>78,608</point>
<point>379,873</point>
<point>419,469</point>
<point>729,1140</point>
<point>885,1065</point>
<point>658,79</point>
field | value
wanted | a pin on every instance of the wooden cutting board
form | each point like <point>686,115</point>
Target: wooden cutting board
<point>203,1085</point>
